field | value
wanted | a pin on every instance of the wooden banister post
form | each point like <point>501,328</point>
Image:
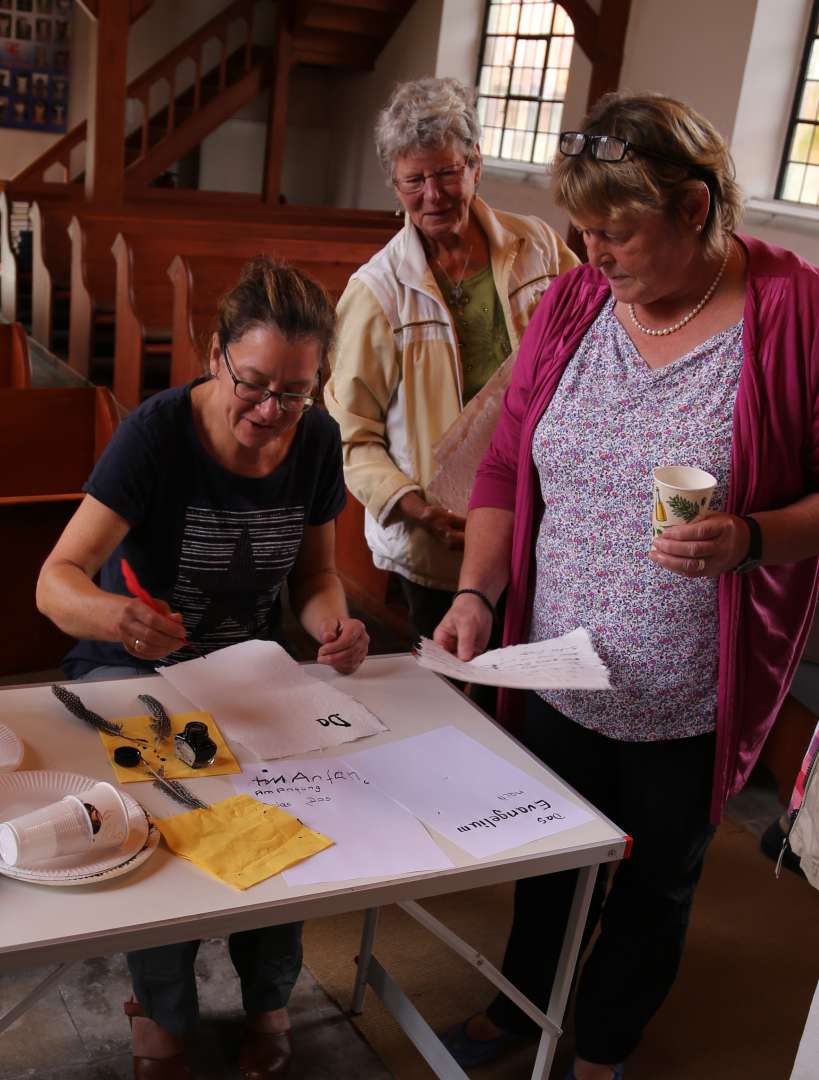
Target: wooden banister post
<point>612,23</point>
<point>105,145</point>
<point>277,115</point>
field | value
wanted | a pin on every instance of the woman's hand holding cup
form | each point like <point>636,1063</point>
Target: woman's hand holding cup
<point>706,548</point>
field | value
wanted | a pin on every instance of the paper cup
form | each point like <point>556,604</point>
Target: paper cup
<point>681,495</point>
<point>62,828</point>
<point>106,813</point>
<point>96,818</point>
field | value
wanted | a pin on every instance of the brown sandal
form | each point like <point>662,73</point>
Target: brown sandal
<point>154,1068</point>
<point>265,1054</point>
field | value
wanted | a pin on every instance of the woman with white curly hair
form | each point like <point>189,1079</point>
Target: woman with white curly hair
<point>422,327</point>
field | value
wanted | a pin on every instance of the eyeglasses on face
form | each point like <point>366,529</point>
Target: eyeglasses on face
<point>249,391</point>
<point>608,148</point>
<point>450,179</point>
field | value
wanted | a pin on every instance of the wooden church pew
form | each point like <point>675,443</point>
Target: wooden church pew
<point>198,282</point>
<point>92,233</point>
<point>9,263</point>
<point>50,265</point>
<point>144,301</point>
<point>53,436</point>
<point>15,366</point>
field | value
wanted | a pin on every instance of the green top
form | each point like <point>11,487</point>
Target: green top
<point>479,324</point>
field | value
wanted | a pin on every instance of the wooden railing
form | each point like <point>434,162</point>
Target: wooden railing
<point>165,70</point>
<point>58,154</point>
<point>140,89</point>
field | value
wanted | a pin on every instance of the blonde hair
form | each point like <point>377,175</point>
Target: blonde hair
<point>688,149</point>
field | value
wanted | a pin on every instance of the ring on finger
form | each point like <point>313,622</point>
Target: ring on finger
<point>138,645</point>
<point>700,565</point>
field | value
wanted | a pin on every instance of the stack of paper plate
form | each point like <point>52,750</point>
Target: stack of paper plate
<point>11,750</point>
<point>21,792</point>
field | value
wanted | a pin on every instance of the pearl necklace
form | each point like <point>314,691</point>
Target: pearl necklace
<point>691,314</point>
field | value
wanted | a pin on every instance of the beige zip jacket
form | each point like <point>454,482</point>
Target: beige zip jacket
<point>396,383</point>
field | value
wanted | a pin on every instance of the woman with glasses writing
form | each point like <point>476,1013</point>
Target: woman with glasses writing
<point>680,343</point>
<point>215,493</point>
<point>423,326</point>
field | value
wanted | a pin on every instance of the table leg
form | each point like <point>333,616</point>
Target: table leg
<point>39,991</point>
<point>365,953</point>
<point>566,965</point>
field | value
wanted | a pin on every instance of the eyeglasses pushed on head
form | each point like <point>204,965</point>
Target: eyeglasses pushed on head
<point>609,148</point>
<point>287,402</point>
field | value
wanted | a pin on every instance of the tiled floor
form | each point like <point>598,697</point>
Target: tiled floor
<point>79,1032</point>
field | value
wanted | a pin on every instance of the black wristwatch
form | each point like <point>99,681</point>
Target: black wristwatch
<point>753,556</point>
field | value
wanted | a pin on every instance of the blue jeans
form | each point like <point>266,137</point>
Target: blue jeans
<point>267,961</point>
<point>659,793</point>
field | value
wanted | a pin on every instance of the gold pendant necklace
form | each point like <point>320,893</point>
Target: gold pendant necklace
<point>459,297</point>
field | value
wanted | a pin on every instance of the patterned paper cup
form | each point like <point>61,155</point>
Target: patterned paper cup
<point>681,495</point>
<point>107,813</point>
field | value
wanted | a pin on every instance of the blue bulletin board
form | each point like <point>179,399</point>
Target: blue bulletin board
<point>35,54</point>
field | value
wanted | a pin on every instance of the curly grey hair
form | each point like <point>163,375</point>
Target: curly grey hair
<point>426,114</point>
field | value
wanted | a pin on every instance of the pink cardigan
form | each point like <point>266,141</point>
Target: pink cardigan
<point>765,615</point>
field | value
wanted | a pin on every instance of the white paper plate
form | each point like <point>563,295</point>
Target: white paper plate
<point>11,750</point>
<point>24,791</point>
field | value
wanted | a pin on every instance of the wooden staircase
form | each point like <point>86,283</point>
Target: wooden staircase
<point>196,99</point>
<point>344,33</point>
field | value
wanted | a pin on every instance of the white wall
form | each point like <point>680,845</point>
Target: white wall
<point>409,54</point>
<point>694,51</point>
<point>232,157</point>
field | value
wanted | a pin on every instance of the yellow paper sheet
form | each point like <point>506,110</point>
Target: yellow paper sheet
<point>164,757</point>
<point>241,841</point>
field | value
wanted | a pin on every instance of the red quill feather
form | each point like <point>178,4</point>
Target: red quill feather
<point>135,589</point>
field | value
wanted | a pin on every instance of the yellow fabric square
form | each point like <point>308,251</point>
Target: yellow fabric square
<point>164,757</point>
<point>240,840</point>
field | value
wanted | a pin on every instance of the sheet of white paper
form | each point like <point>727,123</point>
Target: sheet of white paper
<point>466,792</point>
<point>374,836</point>
<point>260,697</point>
<point>564,663</point>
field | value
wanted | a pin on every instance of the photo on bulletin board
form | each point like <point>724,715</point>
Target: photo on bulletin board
<point>35,57</point>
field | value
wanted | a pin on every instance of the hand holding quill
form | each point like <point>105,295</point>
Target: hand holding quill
<point>142,634</point>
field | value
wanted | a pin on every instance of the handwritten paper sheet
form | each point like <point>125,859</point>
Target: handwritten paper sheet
<point>461,447</point>
<point>261,698</point>
<point>374,836</point>
<point>466,792</point>
<point>563,663</point>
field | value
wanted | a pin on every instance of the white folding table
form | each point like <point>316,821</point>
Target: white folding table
<point>168,899</point>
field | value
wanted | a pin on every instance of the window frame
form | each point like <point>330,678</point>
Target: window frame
<point>793,119</point>
<point>518,165</point>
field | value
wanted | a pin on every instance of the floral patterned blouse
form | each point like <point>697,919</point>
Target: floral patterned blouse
<point>610,422</point>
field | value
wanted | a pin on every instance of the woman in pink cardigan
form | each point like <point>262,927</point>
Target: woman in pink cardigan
<point>679,343</point>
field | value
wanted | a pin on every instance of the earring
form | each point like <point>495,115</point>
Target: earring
<point>698,228</point>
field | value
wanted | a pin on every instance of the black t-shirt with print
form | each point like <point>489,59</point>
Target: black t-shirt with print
<point>215,545</point>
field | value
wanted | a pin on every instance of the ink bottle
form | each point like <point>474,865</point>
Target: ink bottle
<point>194,746</point>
